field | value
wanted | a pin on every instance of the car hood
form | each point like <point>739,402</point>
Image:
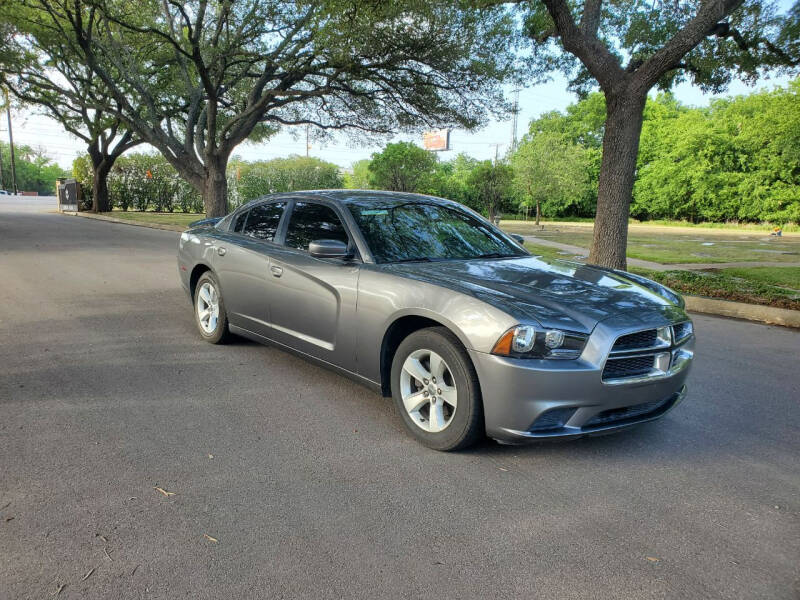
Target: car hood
<point>555,293</point>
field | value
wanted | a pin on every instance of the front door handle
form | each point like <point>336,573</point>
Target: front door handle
<point>221,251</point>
<point>276,271</point>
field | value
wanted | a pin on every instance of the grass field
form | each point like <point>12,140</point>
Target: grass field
<point>179,219</point>
<point>755,228</point>
<point>744,286</point>
<point>674,246</point>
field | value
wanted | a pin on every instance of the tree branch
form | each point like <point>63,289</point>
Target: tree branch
<point>703,23</point>
<point>603,65</point>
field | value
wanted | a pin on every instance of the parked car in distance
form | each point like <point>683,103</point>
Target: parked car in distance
<point>427,302</point>
<point>4,193</point>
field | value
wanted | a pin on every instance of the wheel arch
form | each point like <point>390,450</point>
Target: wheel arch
<point>399,329</point>
<point>197,271</point>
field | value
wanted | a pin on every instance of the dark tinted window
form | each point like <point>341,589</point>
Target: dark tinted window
<point>311,222</point>
<point>262,223</point>
<point>397,231</point>
<point>239,225</point>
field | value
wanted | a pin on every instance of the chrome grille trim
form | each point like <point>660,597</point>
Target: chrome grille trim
<point>627,361</point>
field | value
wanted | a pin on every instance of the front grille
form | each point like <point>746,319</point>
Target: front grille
<point>633,366</point>
<point>626,412</point>
<point>640,339</point>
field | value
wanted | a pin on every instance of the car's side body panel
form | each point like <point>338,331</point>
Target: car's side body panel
<point>313,305</point>
<point>383,298</point>
<point>243,273</point>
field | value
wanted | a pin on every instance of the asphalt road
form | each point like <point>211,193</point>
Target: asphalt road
<point>314,490</point>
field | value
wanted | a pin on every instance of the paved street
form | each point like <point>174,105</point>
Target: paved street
<point>310,484</point>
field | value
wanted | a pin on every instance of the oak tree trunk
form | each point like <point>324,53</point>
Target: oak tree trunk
<point>624,114</point>
<point>100,202</point>
<point>538,211</point>
<point>215,189</point>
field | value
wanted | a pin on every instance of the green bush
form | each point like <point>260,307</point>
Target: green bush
<point>148,182</point>
<point>247,181</point>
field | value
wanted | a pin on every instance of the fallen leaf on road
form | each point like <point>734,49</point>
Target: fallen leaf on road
<point>108,556</point>
<point>134,570</point>
<point>102,537</point>
<point>502,469</point>
<point>210,456</point>
<point>9,519</point>
<point>651,558</point>
<point>163,491</point>
<point>209,538</point>
<point>85,577</point>
<point>58,591</point>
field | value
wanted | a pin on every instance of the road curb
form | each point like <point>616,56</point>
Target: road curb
<point>740,310</point>
<point>710,306</point>
<point>177,228</point>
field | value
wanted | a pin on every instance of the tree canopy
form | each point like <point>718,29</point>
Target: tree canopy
<point>254,179</point>
<point>195,79</point>
<point>551,171</point>
<point>626,48</point>
<point>491,185</point>
<point>402,167</point>
<point>41,68</point>
<point>35,171</point>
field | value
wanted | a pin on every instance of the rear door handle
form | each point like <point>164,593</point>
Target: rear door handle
<point>221,251</point>
<point>276,271</point>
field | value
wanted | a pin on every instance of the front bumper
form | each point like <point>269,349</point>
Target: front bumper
<point>534,399</point>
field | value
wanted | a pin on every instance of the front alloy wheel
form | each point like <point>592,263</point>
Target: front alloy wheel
<point>436,391</point>
<point>429,393</point>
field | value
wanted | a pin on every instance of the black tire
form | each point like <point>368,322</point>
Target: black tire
<point>220,333</point>
<point>466,426</point>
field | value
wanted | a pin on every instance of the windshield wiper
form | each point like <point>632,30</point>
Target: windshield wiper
<point>417,259</point>
<point>497,255</point>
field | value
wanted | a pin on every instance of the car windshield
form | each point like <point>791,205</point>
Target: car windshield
<point>420,231</point>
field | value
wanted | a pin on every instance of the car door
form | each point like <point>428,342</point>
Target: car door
<point>242,264</point>
<point>313,299</point>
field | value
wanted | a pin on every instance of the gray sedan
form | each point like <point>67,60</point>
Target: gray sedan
<point>425,301</point>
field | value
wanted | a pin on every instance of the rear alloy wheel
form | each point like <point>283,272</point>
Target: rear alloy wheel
<point>436,390</point>
<point>209,310</point>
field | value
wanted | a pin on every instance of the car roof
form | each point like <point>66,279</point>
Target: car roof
<point>367,196</point>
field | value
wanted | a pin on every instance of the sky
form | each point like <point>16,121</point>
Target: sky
<point>42,133</point>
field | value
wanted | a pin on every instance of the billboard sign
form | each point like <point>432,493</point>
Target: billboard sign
<point>437,140</point>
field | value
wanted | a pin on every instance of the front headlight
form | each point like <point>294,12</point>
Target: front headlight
<point>525,341</point>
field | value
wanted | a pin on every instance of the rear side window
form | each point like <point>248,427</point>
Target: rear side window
<point>312,222</point>
<point>262,222</point>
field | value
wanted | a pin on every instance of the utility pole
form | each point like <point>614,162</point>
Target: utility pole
<point>11,144</point>
<point>515,112</point>
<point>496,152</point>
<point>1,165</point>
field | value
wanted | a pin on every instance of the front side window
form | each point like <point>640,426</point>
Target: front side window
<point>262,222</point>
<point>310,222</point>
<point>398,231</point>
<point>240,221</point>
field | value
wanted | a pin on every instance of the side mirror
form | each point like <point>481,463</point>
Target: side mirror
<point>517,238</point>
<point>328,249</point>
